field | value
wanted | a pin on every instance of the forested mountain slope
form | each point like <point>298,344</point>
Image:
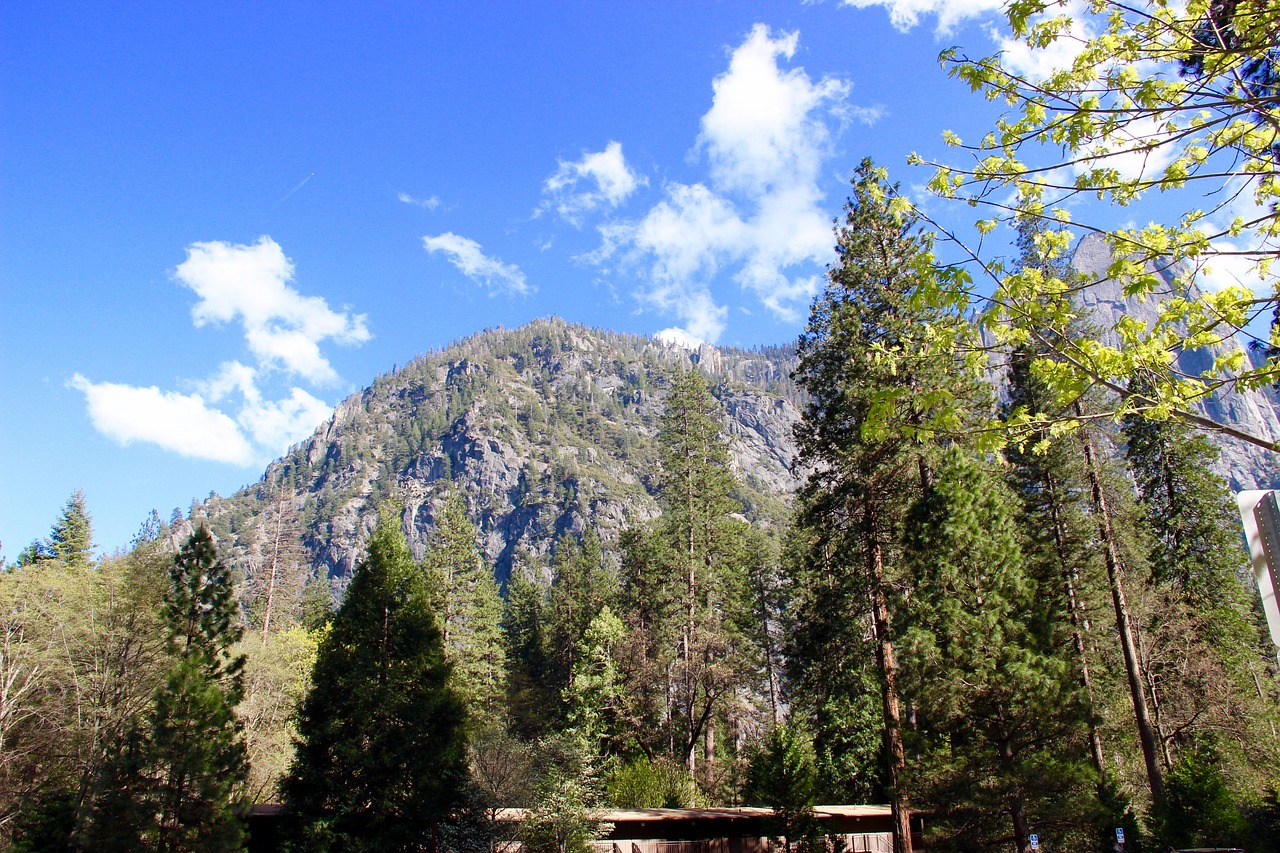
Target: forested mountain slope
<point>550,428</point>
<point>544,429</point>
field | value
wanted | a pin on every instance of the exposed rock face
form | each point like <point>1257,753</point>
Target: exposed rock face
<point>1245,466</point>
<point>548,429</point>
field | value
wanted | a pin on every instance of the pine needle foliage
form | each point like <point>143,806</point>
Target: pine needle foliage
<point>381,750</point>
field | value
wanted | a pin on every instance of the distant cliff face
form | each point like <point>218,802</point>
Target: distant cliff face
<point>546,429</point>
<point>1244,465</point>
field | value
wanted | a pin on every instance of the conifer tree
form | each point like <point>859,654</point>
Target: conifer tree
<point>174,783</point>
<point>381,750</point>
<point>1001,726</point>
<point>71,539</point>
<point>1203,656</point>
<point>531,690</point>
<point>783,776</point>
<point>876,359</point>
<point>580,588</point>
<point>470,611</point>
<point>685,583</point>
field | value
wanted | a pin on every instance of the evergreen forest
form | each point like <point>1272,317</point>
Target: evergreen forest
<point>1050,638</point>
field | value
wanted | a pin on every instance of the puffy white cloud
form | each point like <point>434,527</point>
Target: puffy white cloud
<point>761,215</point>
<point>610,182</point>
<point>230,418</point>
<point>1225,268</point>
<point>467,255</point>
<point>277,425</point>
<point>1129,150</point>
<point>182,423</point>
<point>704,320</point>
<point>765,129</point>
<point>193,425</point>
<point>906,14</point>
<point>282,327</point>
<point>675,336</point>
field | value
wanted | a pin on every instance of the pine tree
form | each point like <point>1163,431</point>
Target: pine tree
<point>1202,652</point>
<point>470,612</point>
<point>381,749</point>
<point>1075,466</point>
<point>174,784</point>
<point>581,586</point>
<point>532,694</point>
<point>783,776</point>
<point>685,590</point>
<point>884,387</point>
<point>71,539</point>
<point>1001,742</point>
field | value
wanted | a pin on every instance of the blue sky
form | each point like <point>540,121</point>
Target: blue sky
<point>220,219</point>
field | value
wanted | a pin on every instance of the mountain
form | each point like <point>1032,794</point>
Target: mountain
<point>551,428</point>
<point>545,429</point>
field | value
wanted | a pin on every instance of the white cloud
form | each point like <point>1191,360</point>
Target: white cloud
<point>191,425</point>
<point>1130,151</point>
<point>1225,269</point>
<point>1231,262</point>
<point>471,261</point>
<point>678,337</point>
<point>761,215</point>
<point>279,424</point>
<point>182,423</point>
<point>610,182</point>
<point>906,14</point>
<point>282,327</point>
<point>429,203</point>
<point>764,129</point>
<point>704,320</point>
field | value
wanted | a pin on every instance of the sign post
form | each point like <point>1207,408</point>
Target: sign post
<point>1261,516</point>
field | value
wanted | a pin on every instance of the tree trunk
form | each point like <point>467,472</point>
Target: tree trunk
<point>1124,626</point>
<point>887,661</point>
<point>1079,622</point>
<point>1017,809</point>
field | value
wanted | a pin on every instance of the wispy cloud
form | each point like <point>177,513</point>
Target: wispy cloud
<point>598,180</point>
<point>906,14</point>
<point>429,203</point>
<point>468,257</point>
<point>761,213</point>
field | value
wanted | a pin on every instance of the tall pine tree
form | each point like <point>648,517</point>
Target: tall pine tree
<point>685,592</point>
<point>884,385</point>
<point>1001,725</point>
<point>381,750</point>
<point>470,612</point>
<point>173,785</point>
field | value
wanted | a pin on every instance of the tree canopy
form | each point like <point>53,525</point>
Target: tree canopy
<point>381,751</point>
<point>1114,101</point>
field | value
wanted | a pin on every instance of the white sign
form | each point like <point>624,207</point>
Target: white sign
<point>1035,842</point>
<point>1261,516</point>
